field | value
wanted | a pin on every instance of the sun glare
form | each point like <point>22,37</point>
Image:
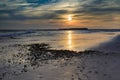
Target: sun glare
<point>69,17</point>
<point>70,40</point>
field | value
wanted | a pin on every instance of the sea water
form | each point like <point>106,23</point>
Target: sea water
<point>77,40</point>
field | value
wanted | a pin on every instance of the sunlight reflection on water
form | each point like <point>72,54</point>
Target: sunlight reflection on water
<point>70,45</point>
<point>70,40</point>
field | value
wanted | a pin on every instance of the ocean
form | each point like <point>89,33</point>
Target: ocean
<point>77,40</point>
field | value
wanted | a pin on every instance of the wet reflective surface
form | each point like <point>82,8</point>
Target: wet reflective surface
<point>69,39</point>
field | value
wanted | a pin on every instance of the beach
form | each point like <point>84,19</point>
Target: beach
<point>59,39</point>
<point>110,46</point>
<point>39,61</point>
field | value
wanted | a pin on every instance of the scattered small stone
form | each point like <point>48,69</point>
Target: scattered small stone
<point>81,70</point>
<point>2,76</point>
<point>96,72</point>
<point>24,70</point>
<point>78,66</point>
<point>9,61</point>
<point>25,66</point>
<point>72,79</point>
<point>79,79</point>
<point>40,77</point>
<point>83,67</point>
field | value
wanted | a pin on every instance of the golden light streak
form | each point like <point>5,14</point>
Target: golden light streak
<point>70,40</point>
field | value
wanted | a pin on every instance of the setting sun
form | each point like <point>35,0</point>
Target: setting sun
<point>69,17</point>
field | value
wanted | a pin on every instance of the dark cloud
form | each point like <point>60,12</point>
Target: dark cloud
<point>98,9</point>
<point>95,7</point>
<point>86,9</point>
<point>53,14</point>
<point>50,14</point>
<point>42,1</point>
<point>60,11</point>
<point>37,3</point>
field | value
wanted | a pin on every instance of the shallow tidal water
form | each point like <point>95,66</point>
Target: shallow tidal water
<point>78,40</point>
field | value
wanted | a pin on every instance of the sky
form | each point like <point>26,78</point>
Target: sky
<point>50,14</point>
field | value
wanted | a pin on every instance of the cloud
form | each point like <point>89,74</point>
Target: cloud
<point>100,10</point>
<point>30,11</point>
<point>100,6</point>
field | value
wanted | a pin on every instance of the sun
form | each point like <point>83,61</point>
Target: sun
<point>69,18</point>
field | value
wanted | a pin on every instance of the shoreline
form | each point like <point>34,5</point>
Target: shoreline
<point>110,46</point>
<point>42,63</point>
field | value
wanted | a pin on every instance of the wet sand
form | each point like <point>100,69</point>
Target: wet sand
<point>111,46</point>
<point>42,63</point>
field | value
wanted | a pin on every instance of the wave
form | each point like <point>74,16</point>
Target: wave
<point>15,33</point>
